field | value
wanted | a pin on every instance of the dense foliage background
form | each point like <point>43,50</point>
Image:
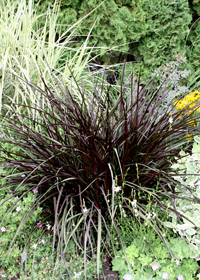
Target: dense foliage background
<point>151,31</point>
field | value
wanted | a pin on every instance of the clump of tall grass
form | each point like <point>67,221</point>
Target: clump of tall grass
<point>86,152</point>
<point>25,44</point>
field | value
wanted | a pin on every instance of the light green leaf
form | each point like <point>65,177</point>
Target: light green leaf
<point>168,224</point>
<point>190,231</point>
<point>182,153</point>
<point>184,226</point>
<point>197,139</point>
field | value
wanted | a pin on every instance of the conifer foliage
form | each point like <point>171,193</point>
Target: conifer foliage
<point>152,31</point>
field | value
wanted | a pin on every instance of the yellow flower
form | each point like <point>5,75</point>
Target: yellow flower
<point>192,123</point>
<point>189,136</point>
<point>188,101</point>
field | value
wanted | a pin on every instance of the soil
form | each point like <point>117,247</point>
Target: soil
<point>108,274</point>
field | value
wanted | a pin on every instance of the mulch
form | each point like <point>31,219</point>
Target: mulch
<point>108,274</point>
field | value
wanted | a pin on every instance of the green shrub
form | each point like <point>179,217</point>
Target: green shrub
<point>151,31</point>
<point>168,26</point>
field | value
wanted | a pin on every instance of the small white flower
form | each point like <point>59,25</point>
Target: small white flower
<point>176,262</point>
<point>153,215</point>
<point>134,203</point>
<point>3,229</point>
<point>149,216</point>
<point>144,237</point>
<point>191,184</point>
<point>171,120</point>
<point>132,263</point>
<point>18,208</point>
<point>85,210</point>
<point>48,226</point>
<point>42,241</point>
<point>117,189</point>
<point>34,246</point>
<point>77,274</point>
<point>181,258</point>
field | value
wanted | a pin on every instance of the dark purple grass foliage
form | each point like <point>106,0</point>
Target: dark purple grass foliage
<point>77,142</point>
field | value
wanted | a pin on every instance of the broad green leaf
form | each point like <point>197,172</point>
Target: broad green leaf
<point>190,231</point>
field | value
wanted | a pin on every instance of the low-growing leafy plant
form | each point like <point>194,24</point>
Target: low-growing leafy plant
<point>41,265</point>
<point>75,265</point>
<point>187,170</point>
<point>16,226</point>
<point>177,73</point>
<point>149,258</point>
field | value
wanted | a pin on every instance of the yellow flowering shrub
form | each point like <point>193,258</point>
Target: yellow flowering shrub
<point>189,101</point>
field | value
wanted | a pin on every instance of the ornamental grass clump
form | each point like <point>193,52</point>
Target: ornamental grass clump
<point>84,151</point>
<point>28,37</point>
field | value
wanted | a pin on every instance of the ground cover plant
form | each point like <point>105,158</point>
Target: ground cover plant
<point>149,258</point>
<point>87,154</point>
<point>188,164</point>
